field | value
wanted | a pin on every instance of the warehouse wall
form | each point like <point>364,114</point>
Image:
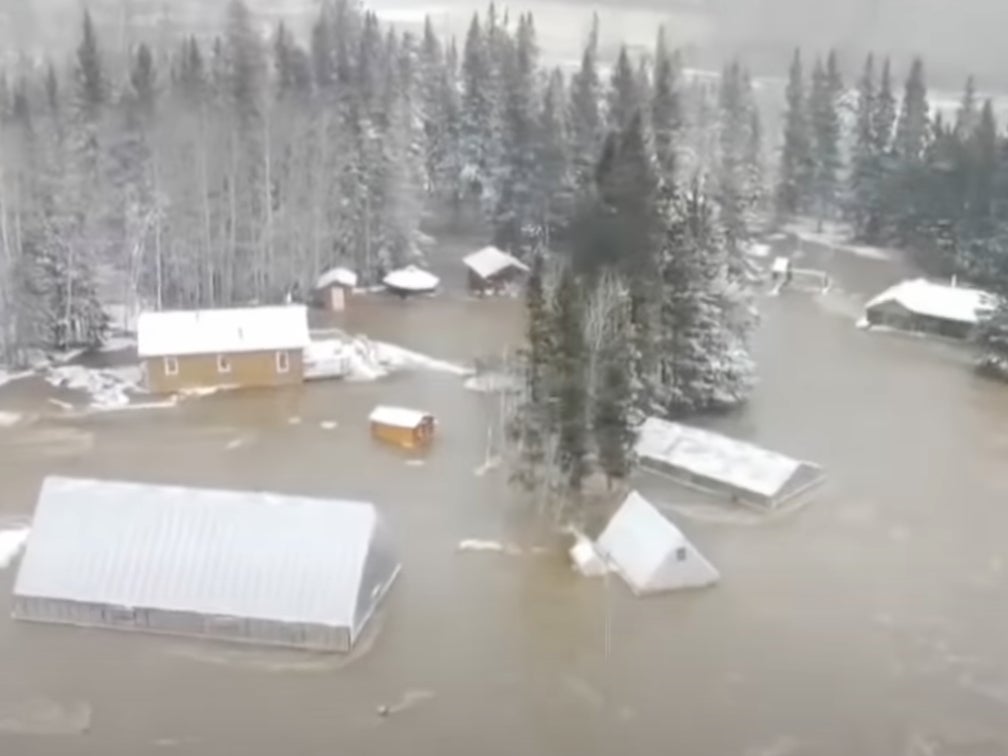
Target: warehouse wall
<point>259,631</point>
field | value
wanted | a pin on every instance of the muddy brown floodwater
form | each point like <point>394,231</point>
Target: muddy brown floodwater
<point>874,621</point>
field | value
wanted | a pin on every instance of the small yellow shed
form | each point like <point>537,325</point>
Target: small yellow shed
<point>406,428</point>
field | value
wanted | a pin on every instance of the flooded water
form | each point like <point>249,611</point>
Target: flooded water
<point>873,621</point>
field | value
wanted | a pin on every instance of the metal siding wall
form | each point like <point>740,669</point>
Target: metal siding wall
<point>189,624</point>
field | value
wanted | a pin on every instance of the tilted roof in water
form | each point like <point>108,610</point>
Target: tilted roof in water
<point>650,553</point>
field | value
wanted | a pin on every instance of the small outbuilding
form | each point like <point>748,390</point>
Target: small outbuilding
<point>491,269</point>
<point>230,565</point>
<point>399,426</point>
<point>924,306</point>
<point>650,553</point>
<point>714,463</point>
<point>333,288</point>
<point>411,280</point>
<point>243,347</point>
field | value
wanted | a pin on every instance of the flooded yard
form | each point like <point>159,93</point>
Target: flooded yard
<point>874,621</point>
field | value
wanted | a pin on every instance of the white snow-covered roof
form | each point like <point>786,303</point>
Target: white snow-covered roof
<point>715,457</point>
<point>490,261</point>
<point>213,552</point>
<point>649,552</point>
<point>922,297</point>
<point>245,329</point>
<point>411,278</point>
<point>398,417</point>
<point>781,265</point>
<point>338,277</point>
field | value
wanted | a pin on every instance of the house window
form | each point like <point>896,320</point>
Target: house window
<point>223,364</point>
<point>282,362</point>
<point>680,554</point>
<point>170,366</point>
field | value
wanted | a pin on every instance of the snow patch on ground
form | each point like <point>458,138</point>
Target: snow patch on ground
<point>493,383</point>
<point>328,425</point>
<point>11,543</point>
<point>118,344</point>
<point>415,462</point>
<point>9,419</point>
<point>108,388</point>
<point>758,250</point>
<point>9,376</point>
<point>837,237</point>
<point>360,359</point>
<point>478,544</point>
<point>491,463</point>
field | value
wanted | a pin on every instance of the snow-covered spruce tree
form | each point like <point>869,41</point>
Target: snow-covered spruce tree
<point>624,98</point>
<point>571,396</point>
<point>864,187</point>
<point>910,148</point>
<point>586,125</point>
<point>613,409</point>
<point>824,101</point>
<point>666,108</point>
<point>968,115</point>
<point>797,168</point>
<point>517,214</point>
<point>703,357</point>
<point>554,191</point>
<point>736,194</point>
<point>478,109</point>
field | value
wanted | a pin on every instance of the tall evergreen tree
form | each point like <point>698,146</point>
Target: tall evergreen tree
<point>827,87</point>
<point>572,401</point>
<point>912,124</point>
<point>666,108</point>
<point>585,117</point>
<point>624,97</point>
<point>797,167</point>
<point>478,110</point>
<point>611,423</point>
<point>865,167</point>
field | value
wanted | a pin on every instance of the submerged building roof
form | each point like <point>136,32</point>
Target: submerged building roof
<point>412,279</point>
<point>490,261</point>
<point>650,553</point>
<point>398,417</point>
<point>337,277</point>
<point>922,297</point>
<point>704,457</point>
<point>214,553</point>
<point>243,329</point>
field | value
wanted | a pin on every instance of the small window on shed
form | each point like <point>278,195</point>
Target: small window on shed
<point>680,554</point>
<point>223,364</point>
<point>170,366</point>
<point>282,362</point>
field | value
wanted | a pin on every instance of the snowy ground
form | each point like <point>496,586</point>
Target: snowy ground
<point>837,237</point>
<point>358,358</point>
<point>11,543</point>
<point>108,388</point>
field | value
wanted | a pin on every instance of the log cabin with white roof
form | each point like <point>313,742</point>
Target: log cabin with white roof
<point>250,347</point>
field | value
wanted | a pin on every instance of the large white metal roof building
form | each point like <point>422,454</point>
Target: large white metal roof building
<point>242,566</point>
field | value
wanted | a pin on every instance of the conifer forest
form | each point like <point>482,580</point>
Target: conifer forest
<point>234,169</point>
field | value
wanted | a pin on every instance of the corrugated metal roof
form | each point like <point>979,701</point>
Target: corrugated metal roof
<point>240,554</point>
<point>715,457</point>
<point>243,329</point>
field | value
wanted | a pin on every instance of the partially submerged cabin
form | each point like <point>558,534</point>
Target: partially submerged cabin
<point>229,565</point>
<point>399,426</point>
<point>650,553</point>
<point>334,288</point>
<point>411,280</point>
<point>243,347</point>
<point>725,466</point>
<point>491,269</point>
<point>924,306</point>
